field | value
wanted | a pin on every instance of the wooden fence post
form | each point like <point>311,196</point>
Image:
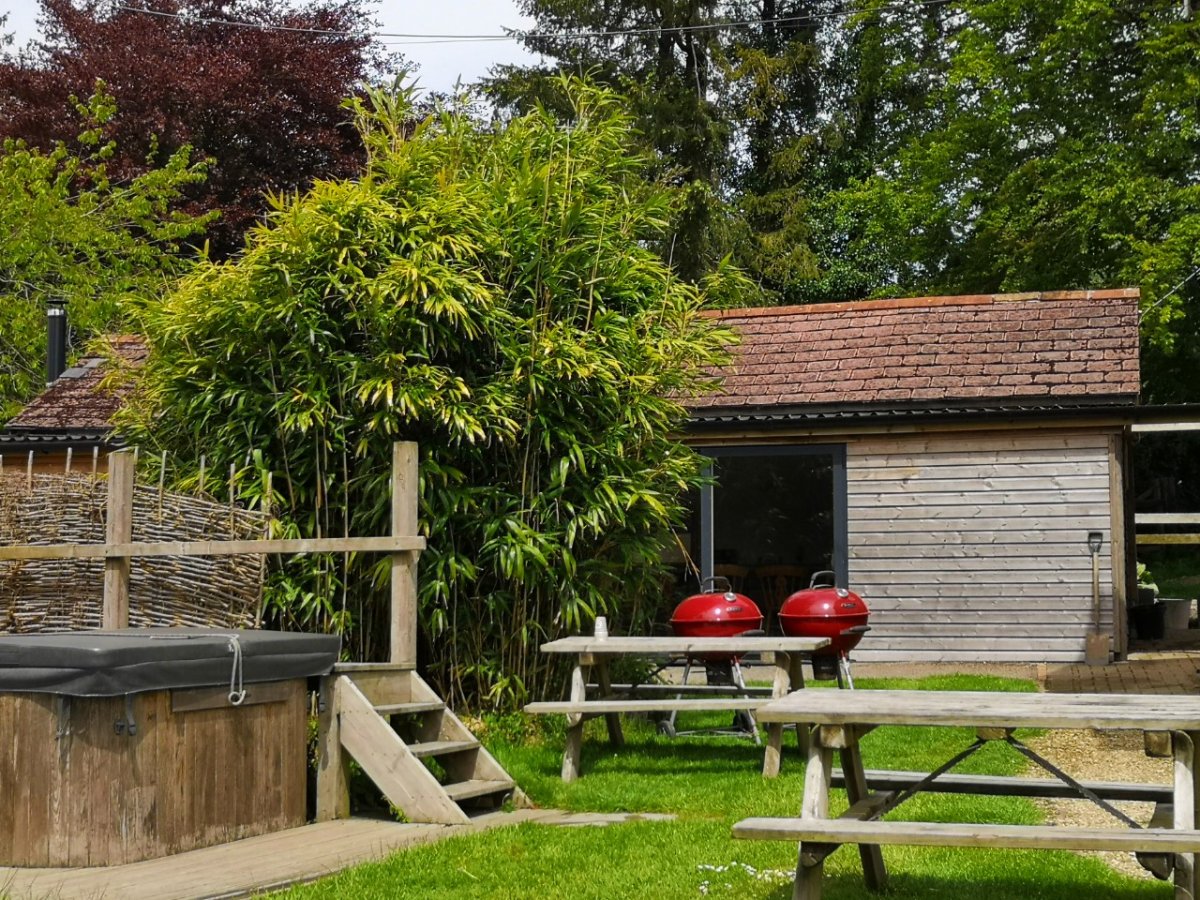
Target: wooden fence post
<point>404,563</point>
<point>118,529</point>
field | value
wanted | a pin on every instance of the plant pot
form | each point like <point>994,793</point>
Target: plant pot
<point>1149,622</point>
<point>1177,612</point>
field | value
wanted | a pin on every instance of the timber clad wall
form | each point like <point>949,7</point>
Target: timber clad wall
<point>975,547</point>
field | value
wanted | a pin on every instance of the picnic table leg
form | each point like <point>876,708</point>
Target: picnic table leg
<point>612,720</point>
<point>874,872</point>
<point>1184,747</point>
<point>815,805</point>
<point>783,681</point>
<point>796,669</point>
<point>573,751</point>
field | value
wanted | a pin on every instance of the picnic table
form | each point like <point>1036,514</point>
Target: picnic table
<point>593,655</point>
<point>840,719</point>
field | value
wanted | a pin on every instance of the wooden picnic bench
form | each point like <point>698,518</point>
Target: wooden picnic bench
<point>838,721</point>
<point>593,655</point>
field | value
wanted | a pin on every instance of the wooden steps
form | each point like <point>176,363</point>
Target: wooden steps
<point>404,709</point>
<point>441,748</point>
<point>466,790</point>
<point>392,724</point>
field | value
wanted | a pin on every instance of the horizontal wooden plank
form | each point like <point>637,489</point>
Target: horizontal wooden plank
<point>372,667</point>
<point>1168,427</point>
<point>1167,518</point>
<point>1157,712</point>
<point>1000,602</point>
<point>1093,514</point>
<point>862,574</point>
<point>960,617</point>
<point>979,444</point>
<point>637,645</point>
<point>876,497</point>
<point>947,565</point>
<point>999,641</point>
<point>886,627</point>
<point>1005,786</point>
<point>666,704</point>
<point>1168,539</point>
<point>868,653</point>
<point>1049,593</point>
<point>1071,546</point>
<point>673,689</point>
<point>949,834</point>
<point>916,470</point>
<point>218,698</point>
<point>993,486</point>
<point>971,533</point>
<point>214,548</point>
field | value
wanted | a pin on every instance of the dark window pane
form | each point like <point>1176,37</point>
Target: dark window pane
<point>773,523</point>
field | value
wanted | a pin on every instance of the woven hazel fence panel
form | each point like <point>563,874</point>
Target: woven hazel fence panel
<point>67,594</point>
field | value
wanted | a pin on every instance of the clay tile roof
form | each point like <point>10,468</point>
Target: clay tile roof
<point>76,401</point>
<point>1069,347</point>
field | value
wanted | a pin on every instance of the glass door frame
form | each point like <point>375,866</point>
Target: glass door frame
<point>841,539</point>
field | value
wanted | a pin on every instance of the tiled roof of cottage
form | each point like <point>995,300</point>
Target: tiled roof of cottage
<point>1069,347</point>
<point>77,401</point>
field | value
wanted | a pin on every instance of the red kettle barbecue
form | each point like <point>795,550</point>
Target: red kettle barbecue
<point>717,613</point>
<point>827,611</point>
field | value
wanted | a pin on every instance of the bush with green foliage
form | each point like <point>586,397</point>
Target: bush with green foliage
<point>489,293</point>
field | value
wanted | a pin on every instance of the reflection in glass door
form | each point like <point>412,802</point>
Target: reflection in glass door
<point>774,516</point>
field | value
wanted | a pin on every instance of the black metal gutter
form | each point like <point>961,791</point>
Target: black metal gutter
<point>20,440</point>
<point>833,418</point>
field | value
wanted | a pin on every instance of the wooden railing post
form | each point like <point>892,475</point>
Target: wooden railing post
<point>404,563</point>
<point>118,529</point>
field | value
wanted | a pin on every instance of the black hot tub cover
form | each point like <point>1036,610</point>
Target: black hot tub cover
<point>111,663</point>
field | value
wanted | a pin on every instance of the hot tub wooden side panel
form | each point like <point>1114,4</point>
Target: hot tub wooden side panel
<point>74,792</point>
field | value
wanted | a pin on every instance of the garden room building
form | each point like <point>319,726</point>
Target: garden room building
<point>958,461</point>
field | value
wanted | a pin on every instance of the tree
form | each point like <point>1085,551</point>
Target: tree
<point>68,231</point>
<point>670,80</point>
<point>784,102</point>
<point>1062,154</point>
<point>490,294</point>
<point>262,102</point>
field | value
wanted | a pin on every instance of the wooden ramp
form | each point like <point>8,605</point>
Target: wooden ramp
<point>242,868</point>
<point>270,861</point>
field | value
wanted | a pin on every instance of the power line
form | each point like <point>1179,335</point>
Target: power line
<point>521,35</point>
<point>1165,297</point>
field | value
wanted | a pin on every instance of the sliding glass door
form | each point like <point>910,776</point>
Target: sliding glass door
<point>772,517</point>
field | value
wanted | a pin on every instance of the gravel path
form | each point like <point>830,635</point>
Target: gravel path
<point>1100,756</point>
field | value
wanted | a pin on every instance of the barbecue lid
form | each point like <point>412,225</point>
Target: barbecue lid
<point>827,601</point>
<point>717,605</point>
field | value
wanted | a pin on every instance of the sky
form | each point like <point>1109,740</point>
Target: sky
<point>441,62</point>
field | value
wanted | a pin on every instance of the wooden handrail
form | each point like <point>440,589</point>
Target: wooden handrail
<point>386,544</point>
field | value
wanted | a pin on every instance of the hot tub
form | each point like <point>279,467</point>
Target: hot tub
<point>126,745</point>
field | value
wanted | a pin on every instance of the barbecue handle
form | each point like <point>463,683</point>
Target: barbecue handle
<point>812,582</point>
<point>712,580</point>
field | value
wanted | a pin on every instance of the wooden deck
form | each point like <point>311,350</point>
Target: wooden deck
<point>256,864</point>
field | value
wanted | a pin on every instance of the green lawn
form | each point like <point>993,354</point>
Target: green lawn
<point>710,783</point>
